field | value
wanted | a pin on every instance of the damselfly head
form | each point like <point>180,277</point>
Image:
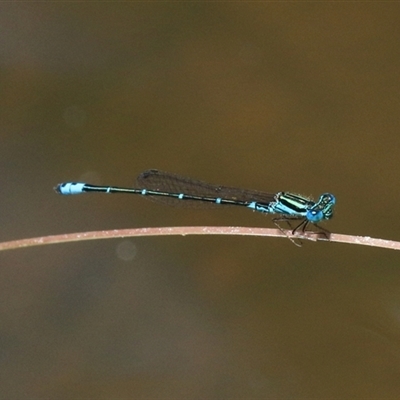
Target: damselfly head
<point>326,204</point>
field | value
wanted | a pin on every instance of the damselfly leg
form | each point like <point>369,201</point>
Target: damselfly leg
<point>300,228</point>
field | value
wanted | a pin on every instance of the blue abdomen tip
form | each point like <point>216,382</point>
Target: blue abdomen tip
<point>70,188</point>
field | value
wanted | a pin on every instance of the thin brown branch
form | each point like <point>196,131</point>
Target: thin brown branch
<point>194,230</point>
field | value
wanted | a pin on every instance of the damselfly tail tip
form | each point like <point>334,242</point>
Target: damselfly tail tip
<point>69,188</point>
<point>57,188</point>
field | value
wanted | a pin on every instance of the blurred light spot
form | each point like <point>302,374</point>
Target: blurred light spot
<point>74,116</point>
<point>90,177</point>
<point>126,250</point>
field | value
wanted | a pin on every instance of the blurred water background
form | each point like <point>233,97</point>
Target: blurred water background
<point>300,97</point>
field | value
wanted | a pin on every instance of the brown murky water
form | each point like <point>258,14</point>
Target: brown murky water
<point>302,97</point>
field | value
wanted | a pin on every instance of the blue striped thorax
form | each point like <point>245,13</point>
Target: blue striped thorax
<point>299,206</point>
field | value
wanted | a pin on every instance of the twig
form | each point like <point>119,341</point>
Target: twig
<point>194,230</point>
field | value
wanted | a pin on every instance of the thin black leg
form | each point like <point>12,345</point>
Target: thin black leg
<point>287,220</point>
<point>301,228</point>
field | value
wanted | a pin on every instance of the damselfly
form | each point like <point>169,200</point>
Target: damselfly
<point>175,189</point>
